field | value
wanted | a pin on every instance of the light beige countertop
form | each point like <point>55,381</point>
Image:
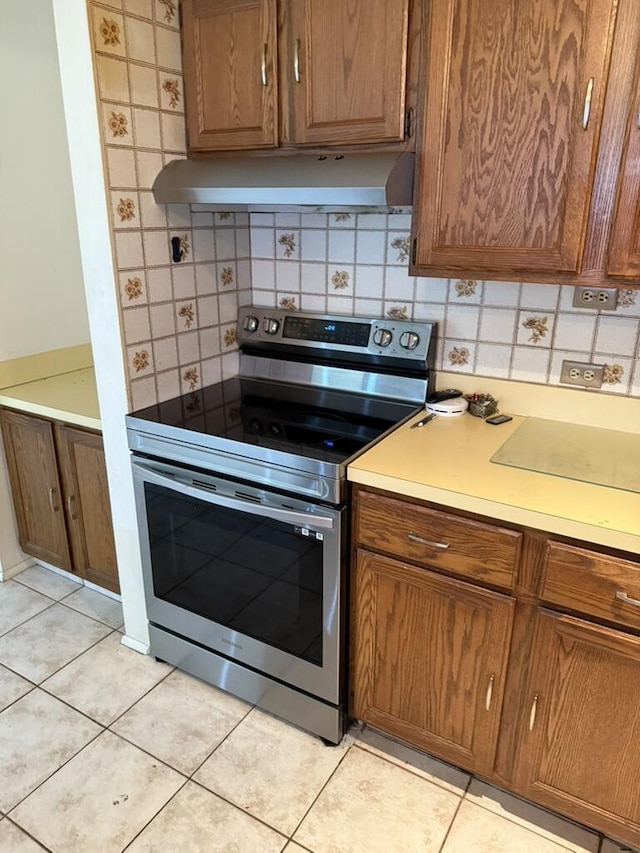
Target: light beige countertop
<point>448,462</point>
<point>59,384</point>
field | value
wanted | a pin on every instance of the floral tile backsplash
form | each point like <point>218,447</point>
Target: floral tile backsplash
<point>357,264</point>
<point>183,271</point>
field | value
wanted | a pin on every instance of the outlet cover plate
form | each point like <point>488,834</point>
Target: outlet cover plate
<point>596,298</point>
<point>582,374</point>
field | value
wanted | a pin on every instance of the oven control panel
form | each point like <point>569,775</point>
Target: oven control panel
<point>383,337</point>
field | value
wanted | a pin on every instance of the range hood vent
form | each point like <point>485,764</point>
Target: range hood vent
<point>349,180</point>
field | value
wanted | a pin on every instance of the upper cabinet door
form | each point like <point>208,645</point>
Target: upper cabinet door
<point>230,73</point>
<point>624,243</point>
<point>513,103</point>
<point>346,70</point>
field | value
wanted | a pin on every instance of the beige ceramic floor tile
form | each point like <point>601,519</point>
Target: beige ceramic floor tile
<point>107,679</point>
<point>38,648</point>
<point>12,687</point>
<point>100,800</point>
<point>551,826</point>
<point>411,759</point>
<point>183,739</point>
<point>14,840</point>
<point>373,806</point>
<point>96,605</point>
<point>37,735</point>
<point>18,603</point>
<point>47,582</point>
<point>481,831</point>
<point>199,822</point>
<point>271,769</point>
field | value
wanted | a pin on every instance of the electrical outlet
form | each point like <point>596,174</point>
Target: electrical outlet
<point>584,375</point>
<point>598,298</point>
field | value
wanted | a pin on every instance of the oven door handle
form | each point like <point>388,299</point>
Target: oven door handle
<point>317,519</point>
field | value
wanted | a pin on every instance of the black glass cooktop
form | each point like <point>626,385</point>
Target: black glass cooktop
<point>312,422</point>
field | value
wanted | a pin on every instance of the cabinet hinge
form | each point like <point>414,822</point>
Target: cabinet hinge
<point>408,124</point>
<point>414,250</point>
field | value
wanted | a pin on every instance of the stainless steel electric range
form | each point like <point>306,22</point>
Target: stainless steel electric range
<point>241,499</point>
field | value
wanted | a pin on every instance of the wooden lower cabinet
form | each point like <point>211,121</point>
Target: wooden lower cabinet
<point>429,657</point>
<point>525,689</point>
<point>579,751</point>
<point>60,495</point>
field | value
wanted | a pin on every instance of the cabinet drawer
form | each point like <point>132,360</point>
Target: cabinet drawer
<point>472,549</point>
<point>592,583</point>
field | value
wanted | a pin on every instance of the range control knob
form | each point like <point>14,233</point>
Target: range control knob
<point>409,340</point>
<point>270,326</point>
<point>382,337</point>
<point>250,324</point>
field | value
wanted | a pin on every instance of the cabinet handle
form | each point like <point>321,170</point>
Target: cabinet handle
<point>532,715</point>
<point>627,599</point>
<point>296,61</point>
<point>442,545</point>
<point>487,703</point>
<point>70,504</point>
<point>587,104</point>
<point>52,502</point>
<point>263,65</point>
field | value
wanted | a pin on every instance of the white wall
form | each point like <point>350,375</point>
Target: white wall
<point>85,151</point>
<point>42,302</point>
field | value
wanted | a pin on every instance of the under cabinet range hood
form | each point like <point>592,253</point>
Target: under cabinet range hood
<point>352,180</point>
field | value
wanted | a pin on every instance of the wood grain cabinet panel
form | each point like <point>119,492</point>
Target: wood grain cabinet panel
<point>346,72</point>
<point>260,74</point>
<point>481,552</point>
<point>230,73</point>
<point>428,659</point>
<point>87,505</point>
<point>36,487</point>
<point>624,244</point>
<point>595,584</point>
<point>508,155</point>
<point>579,751</point>
<point>61,496</point>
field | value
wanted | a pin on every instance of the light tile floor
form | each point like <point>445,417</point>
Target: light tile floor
<point>104,750</point>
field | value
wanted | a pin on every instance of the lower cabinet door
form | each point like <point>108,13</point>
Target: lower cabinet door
<point>428,659</point>
<point>36,488</point>
<point>579,752</point>
<point>87,505</point>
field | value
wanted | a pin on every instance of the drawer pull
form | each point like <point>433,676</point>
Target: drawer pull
<point>532,715</point>
<point>52,502</point>
<point>487,703</point>
<point>70,507</point>
<point>627,599</point>
<point>296,61</point>
<point>442,545</point>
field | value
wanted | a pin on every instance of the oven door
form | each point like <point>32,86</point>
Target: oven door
<point>251,574</point>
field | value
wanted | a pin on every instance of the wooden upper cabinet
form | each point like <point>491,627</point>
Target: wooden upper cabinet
<point>36,487</point>
<point>230,68</point>
<point>509,142</point>
<point>624,244</point>
<point>345,70</point>
<point>428,659</point>
<point>579,751</point>
<point>87,505</point>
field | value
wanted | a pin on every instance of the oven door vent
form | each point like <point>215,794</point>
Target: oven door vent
<point>256,499</point>
<point>210,487</point>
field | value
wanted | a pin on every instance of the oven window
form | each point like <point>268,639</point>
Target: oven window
<point>259,577</point>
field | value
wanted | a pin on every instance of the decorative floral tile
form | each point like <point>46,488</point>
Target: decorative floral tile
<point>341,217</point>
<point>140,360</point>
<point>125,210</point>
<point>628,299</point>
<point>612,374</point>
<point>167,12</point>
<point>191,378</point>
<point>340,279</point>
<point>229,337</point>
<point>108,32</point>
<point>117,124</point>
<point>398,247</point>
<point>133,288</point>
<point>398,312</point>
<point>184,246</point>
<point>537,328</point>
<point>458,356</point>
<point>288,303</point>
<point>171,92</point>
<point>226,276</point>
<point>287,244</point>
<point>465,290</point>
<point>186,317</point>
